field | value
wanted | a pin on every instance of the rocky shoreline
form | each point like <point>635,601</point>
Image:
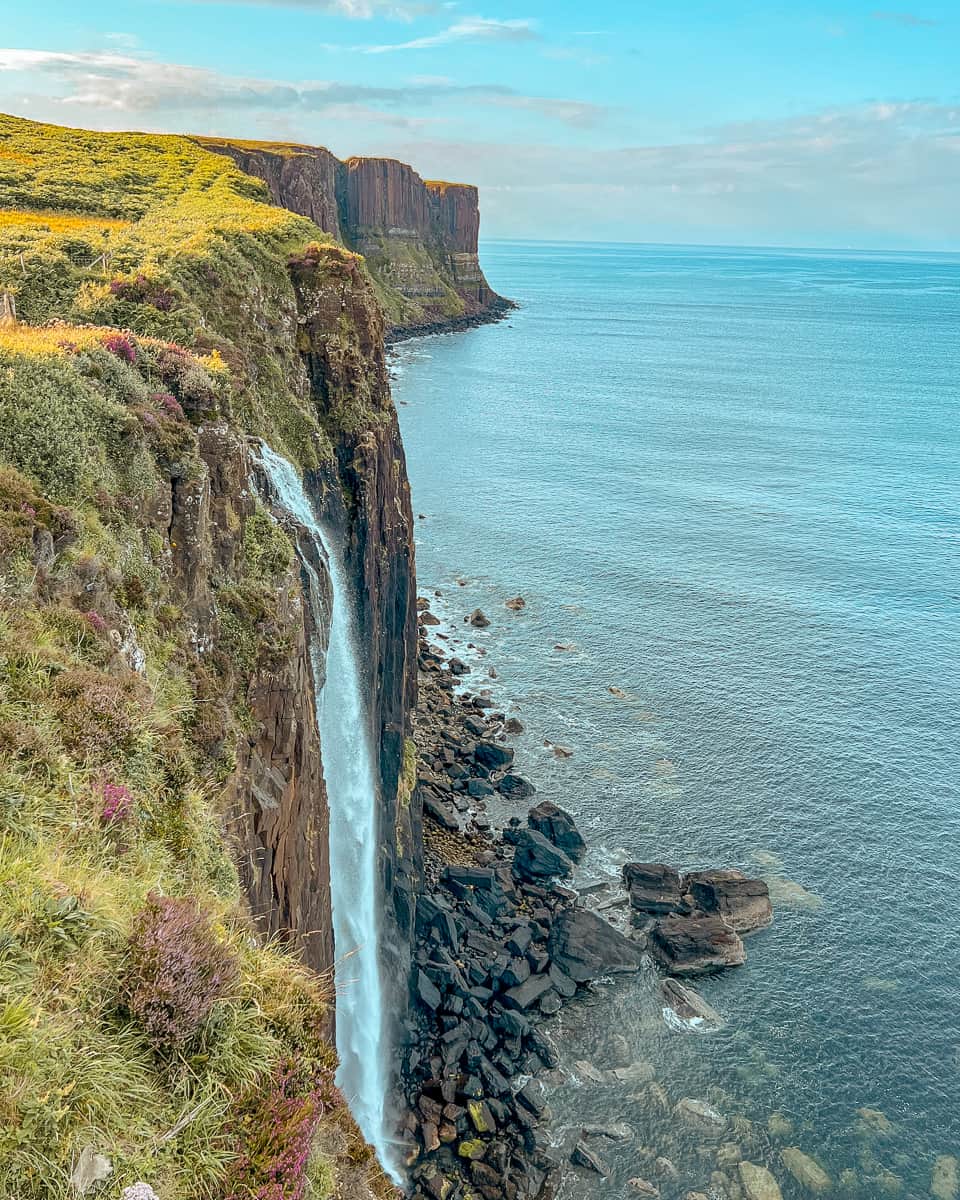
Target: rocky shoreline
<point>502,942</point>
<point>497,310</point>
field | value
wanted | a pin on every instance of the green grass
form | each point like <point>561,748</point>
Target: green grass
<point>102,691</point>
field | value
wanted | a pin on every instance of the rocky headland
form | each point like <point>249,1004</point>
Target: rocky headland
<point>418,237</point>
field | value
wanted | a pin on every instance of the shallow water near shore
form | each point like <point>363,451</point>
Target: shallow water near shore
<point>727,482</point>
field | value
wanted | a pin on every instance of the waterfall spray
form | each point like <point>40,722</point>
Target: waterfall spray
<point>348,766</point>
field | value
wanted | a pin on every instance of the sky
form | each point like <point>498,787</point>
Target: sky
<point>763,123</point>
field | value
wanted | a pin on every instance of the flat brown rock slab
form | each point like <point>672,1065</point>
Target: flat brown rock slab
<point>654,888</point>
<point>743,903</point>
<point>695,945</point>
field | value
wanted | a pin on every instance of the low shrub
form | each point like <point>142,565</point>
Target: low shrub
<point>274,1126</point>
<point>177,969</point>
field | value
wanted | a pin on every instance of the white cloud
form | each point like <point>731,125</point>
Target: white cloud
<point>470,29</point>
<point>126,83</point>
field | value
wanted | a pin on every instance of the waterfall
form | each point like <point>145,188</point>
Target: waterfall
<point>348,767</point>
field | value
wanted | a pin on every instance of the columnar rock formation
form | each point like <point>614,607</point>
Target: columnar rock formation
<point>419,237</point>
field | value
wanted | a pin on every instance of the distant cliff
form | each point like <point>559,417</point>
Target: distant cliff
<point>419,237</point>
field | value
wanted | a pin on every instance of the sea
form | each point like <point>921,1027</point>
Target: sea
<point>726,483</point>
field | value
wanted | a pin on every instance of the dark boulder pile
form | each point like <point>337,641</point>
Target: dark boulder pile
<point>500,944</point>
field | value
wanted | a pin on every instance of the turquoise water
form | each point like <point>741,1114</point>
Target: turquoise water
<point>730,481</point>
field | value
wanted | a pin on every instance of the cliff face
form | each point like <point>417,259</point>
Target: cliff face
<point>161,780</point>
<point>419,238</point>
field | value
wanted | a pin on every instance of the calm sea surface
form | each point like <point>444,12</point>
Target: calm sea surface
<point>729,482</point>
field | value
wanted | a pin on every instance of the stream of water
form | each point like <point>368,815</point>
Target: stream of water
<point>348,767</point>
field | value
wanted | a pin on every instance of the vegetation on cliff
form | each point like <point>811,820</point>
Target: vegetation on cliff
<point>141,1018</point>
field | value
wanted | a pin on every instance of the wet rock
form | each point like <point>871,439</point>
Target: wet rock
<point>478,619</point>
<point>561,751</point>
<point>758,1183</point>
<point>743,903</point>
<point>806,1171</point>
<point>617,1132</point>
<point>635,1073</point>
<point>516,787</point>
<point>583,1156</point>
<point>493,755</point>
<point>536,858</point>
<point>586,1070</point>
<point>558,827</point>
<point>643,1187</point>
<point>513,725</point>
<point>687,1009</point>
<point>695,945</point>
<point>516,604</point>
<point>655,889</point>
<point>701,1116</point>
<point>945,1179</point>
<point>429,618</point>
<point>584,945</point>
<point>458,667</point>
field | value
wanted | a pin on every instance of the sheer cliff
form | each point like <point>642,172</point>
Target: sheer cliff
<point>418,237</point>
<point>166,1003</point>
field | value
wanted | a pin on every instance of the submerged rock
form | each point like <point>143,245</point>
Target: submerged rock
<point>643,1187</point>
<point>758,1183</point>
<point>583,1156</point>
<point>945,1179</point>
<point>516,604</point>
<point>701,1115</point>
<point>806,1171</point>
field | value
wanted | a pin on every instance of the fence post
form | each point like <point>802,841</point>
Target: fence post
<point>8,309</point>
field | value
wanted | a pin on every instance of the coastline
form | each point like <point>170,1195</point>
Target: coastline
<point>497,310</point>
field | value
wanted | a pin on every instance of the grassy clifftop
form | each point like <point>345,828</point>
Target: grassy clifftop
<point>145,1032</point>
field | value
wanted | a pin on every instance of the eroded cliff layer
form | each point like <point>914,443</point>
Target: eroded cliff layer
<point>419,237</point>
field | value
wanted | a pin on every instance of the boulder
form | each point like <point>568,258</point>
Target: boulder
<point>806,1171</point>
<point>478,619</point>
<point>516,604</point>
<point>458,667</point>
<point>695,945</point>
<point>536,858</point>
<point>528,992</point>
<point>429,618</point>
<point>583,1156</point>
<point>513,725</point>
<point>685,1009</point>
<point>558,827</point>
<point>516,787</point>
<point>758,1183</point>
<point>493,755</point>
<point>743,903</point>
<point>584,946</point>
<point>655,888</point>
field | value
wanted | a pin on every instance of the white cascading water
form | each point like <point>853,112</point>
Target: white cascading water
<point>348,767</point>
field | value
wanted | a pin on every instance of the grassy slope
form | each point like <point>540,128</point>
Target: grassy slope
<point>163,1037</point>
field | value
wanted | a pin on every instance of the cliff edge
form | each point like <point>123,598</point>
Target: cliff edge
<point>419,237</point>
